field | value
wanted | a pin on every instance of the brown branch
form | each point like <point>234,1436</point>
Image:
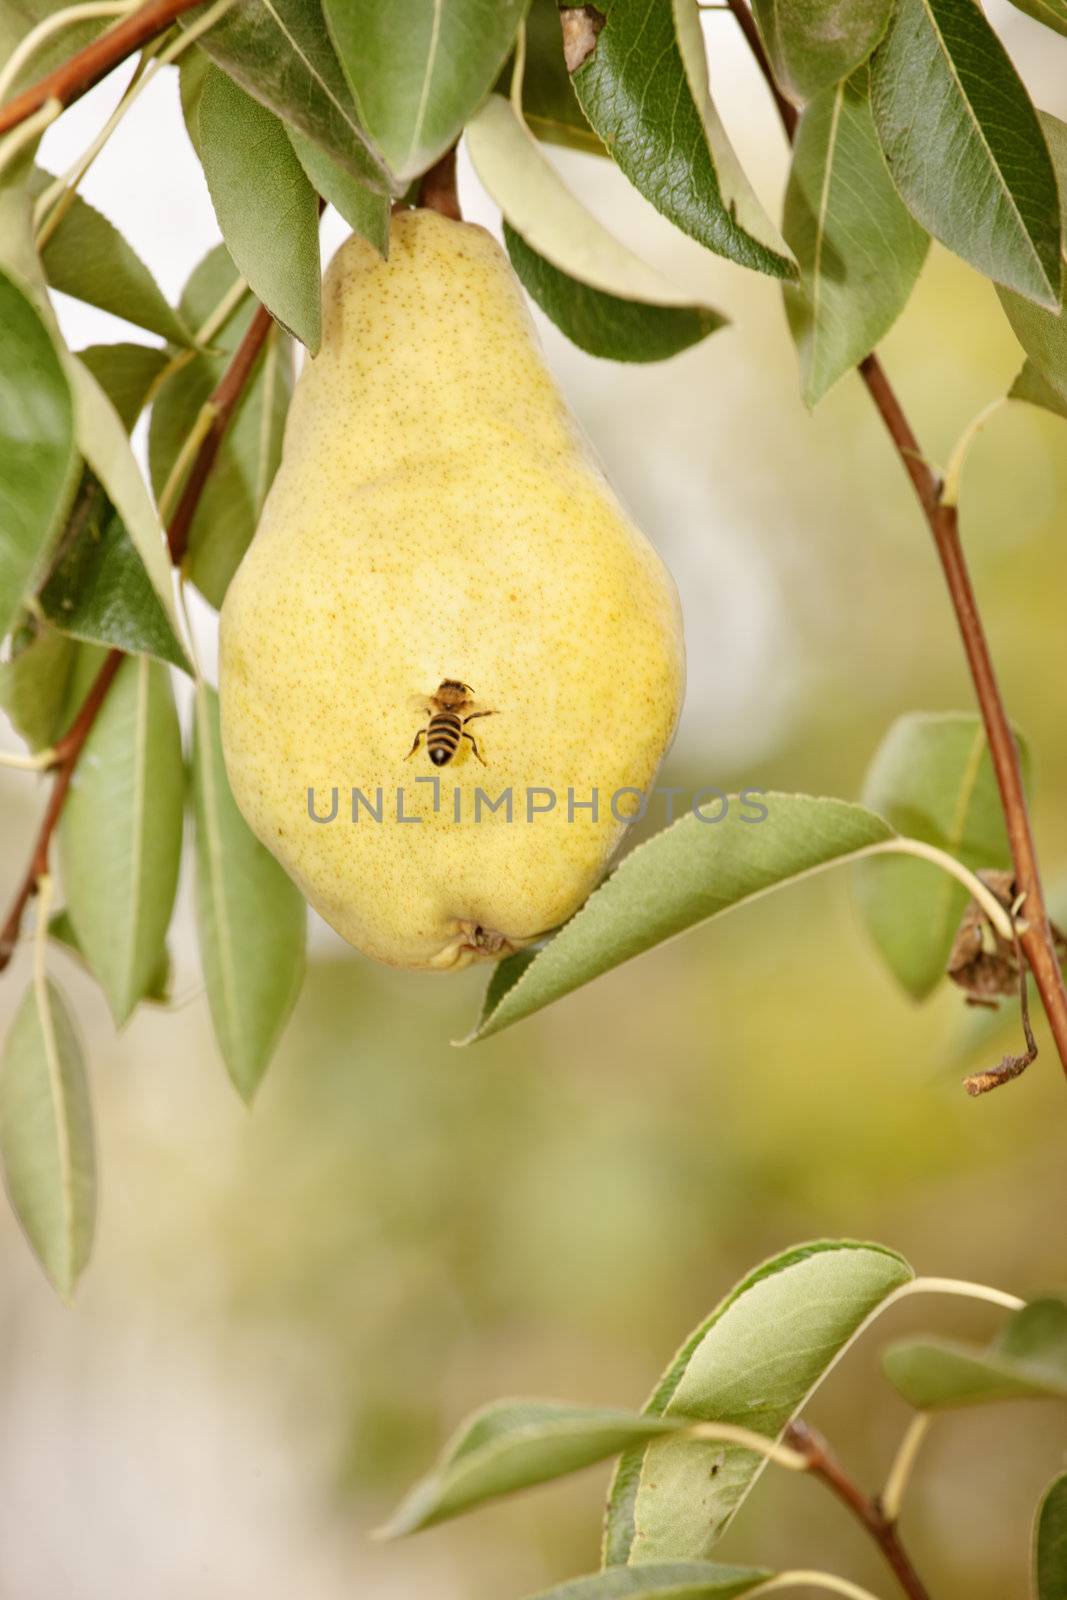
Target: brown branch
<point>72,78</point>
<point>437,187</point>
<point>67,751</point>
<point>867,1509</point>
<point>1036,937</point>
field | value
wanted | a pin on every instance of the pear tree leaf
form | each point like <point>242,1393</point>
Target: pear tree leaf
<point>814,44</point>
<point>1053,13</point>
<point>34,681</point>
<point>641,77</point>
<point>605,324</point>
<point>280,53</point>
<point>120,836</point>
<point>158,992</point>
<point>106,447</point>
<point>46,1135</point>
<point>616,296</point>
<point>418,72</point>
<point>754,1362</point>
<point>366,212</point>
<point>858,247</point>
<point>1026,1360</point>
<point>87,257</point>
<point>1036,390</point>
<point>248,457</point>
<point>250,916</point>
<point>661,1580</point>
<point>1050,1541</point>
<point>126,373</point>
<point>1043,334</point>
<point>549,104</point>
<point>265,205</point>
<point>98,589</point>
<point>37,453</point>
<point>513,1444</point>
<point>695,869</point>
<point>932,778</point>
<point>964,144</point>
<point>193,69</point>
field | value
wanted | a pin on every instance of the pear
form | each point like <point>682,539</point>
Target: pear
<point>437,517</point>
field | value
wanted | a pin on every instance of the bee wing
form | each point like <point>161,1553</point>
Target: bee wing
<point>418,702</point>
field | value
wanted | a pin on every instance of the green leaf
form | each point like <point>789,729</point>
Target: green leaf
<point>250,916</point>
<point>814,44</point>
<point>158,992</point>
<point>1032,387</point>
<point>46,1135</point>
<point>1043,334</point>
<point>933,779</point>
<point>965,146</point>
<point>125,372</point>
<point>35,679</point>
<point>754,1362</point>
<point>87,257</point>
<point>549,103</point>
<point>415,100</point>
<point>229,508</point>
<point>193,69</point>
<point>858,248</point>
<point>1053,13</point>
<point>642,83</point>
<point>37,455</point>
<point>98,589</point>
<point>280,53</point>
<point>106,447</point>
<point>693,870</point>
<point>121,833</point>
<point>605,324</point>
<point>365,212</point>
<point>516,1443</point>
<point>1050,1543</point>
<point>662,1580</point>
<point>613,300</point>
<point>1026,1360</point>
<point>265,205</point>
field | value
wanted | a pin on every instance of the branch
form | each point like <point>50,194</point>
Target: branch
<point>65,757</point>
<point>867,1510</point>
<point>72,78</point>
<point>1036,938</point>
<point>223,403</point>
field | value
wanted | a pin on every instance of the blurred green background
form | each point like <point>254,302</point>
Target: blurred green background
<point>289,1311</point>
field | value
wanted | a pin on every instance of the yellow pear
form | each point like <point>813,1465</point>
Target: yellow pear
<point>438,518</point>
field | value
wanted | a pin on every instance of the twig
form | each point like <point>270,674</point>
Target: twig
<point>437,188</point>
<point>1036,939</point>
<point>868,1511</point>
<point>69,748</point>
<point>72,78</point>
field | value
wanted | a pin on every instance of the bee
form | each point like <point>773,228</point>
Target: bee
<point>447,725</point>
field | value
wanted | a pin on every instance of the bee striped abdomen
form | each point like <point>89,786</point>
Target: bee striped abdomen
<point>442,737</point>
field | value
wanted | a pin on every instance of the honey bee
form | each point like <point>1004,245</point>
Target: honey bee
<point>447,725</point>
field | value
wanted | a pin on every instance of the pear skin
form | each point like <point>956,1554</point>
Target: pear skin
<point>438,516</point>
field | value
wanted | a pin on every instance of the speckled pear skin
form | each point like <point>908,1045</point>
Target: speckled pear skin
<point>437,515</point>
